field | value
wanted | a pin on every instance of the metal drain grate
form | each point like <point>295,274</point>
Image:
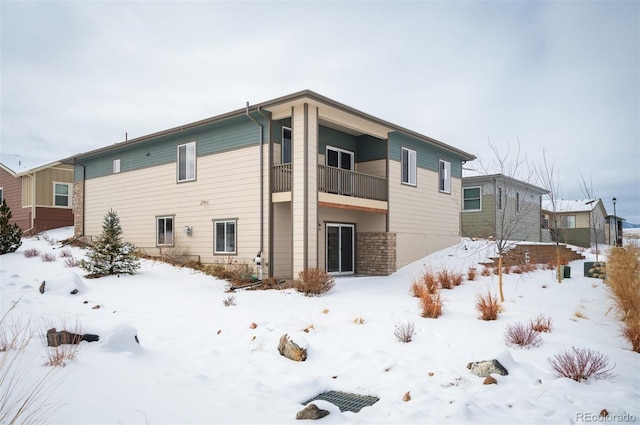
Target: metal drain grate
<point>345,401</point>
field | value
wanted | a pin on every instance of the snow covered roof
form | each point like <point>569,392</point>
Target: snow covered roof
<point>567,205</point>
<point>18,164</point>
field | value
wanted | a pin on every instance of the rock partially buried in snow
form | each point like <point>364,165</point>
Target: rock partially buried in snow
<point>487,367</point>
<point>63,284</point>
<point>55,338</point>
<point>123,339</point>
<point>490,380</point>
<point>291,350</point>
<point>312,411</point>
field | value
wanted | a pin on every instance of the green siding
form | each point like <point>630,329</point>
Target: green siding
<point>337,139</point>
<point>428,156</point>
<point>276,129</point>
<point>233,133</point>
<point>371,148</point>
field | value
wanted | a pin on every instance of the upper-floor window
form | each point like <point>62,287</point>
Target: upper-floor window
<point>444,176</point>
<point>517,202</point>
<point>568,221</point>
<point>339,158</point>
<point>472,200</point>
<point>116,165</point>
<point>1,194</point>
<point>409,166</point>
<point>187,162</point>
<point>164,230</point>
<point>286,145</point>
<point>500,198</point>
<point>62,194</point>
<point>224,236</point>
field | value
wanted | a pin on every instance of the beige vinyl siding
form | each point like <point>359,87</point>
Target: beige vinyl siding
<point>45,179</point>
<point>28,190</point>
<point>312,188</point>
<point>282,240</point>
<point>298,186</point>
<point>424,219</point>
<point>226,188</point>
<point>582,219</point>
<point>373,168</point>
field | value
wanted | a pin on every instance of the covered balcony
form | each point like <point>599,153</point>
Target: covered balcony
<point>337,181</point>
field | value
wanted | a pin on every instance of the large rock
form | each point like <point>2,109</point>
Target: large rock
<point>487,367</point>
<point>291,350</point>
<point>55,338</point>
<point>312,412</point>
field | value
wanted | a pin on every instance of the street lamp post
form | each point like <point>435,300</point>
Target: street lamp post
<point>615,222</point>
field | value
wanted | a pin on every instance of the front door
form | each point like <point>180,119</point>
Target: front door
<point>340,252</point>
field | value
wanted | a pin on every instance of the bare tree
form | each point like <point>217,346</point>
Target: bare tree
<point>595,221</point>
<point>548,177</point>
<point>517,203</point>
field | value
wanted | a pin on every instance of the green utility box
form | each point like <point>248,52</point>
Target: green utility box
<point>593,269</point>
<point>566,272</point>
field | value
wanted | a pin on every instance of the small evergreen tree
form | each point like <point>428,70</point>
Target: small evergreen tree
<point>10,234</point>
<point>109,255</point>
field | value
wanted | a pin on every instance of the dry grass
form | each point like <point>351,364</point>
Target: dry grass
<point>541,323</point>
<point>314,282</point>
<point>71,262</point>
<point>579,314</point>
<point>486,271</point>
<point>60,355</point>
<point>631,332</point>
<point>30,253</point>
<point>358,320</point>
<point>229,301</point>
<point>623,280</point>
<point>472,274</point>
<point>65,253</point>
<point>488,306</point>
<point>522,335</point>
<point>448,279</point>
<point>431,305</point>
<point>581,364</point>
<point>48,257</point>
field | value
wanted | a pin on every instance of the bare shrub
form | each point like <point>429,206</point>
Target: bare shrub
<point>47,257</point>
<point>431,305</point>
<point>541,323</point>
<point>405,332</point>
<point>522,335</point>
<point>314,282</point>
<point>472,273</point>
<point>30,253</point>
<point>581,364</point>
<point>631,332</point>
<point>60,355</point>
<point>65,253</point>
<point>506,270</point>
<point>229,301</point>
<point>486,271</point>
<point>71,262</point>
<point>358,320</point>
<point>488,306</point>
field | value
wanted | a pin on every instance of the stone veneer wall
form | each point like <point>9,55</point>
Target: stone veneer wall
<point>78,209</point>
<point>376,253</point>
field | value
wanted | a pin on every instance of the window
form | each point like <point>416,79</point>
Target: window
<point>164,233</point>
<point>116,166</point>
<point>1,195</point>
<point>472,199</point>
<point>187,162</point>
<point>517,202</point>
<point>568,221</point>
<point>286,145</point>
<point>62,194</point>
<point>224,236</point>
<point>445,176</point>
<point>500,198</point>
<point>408,166</point>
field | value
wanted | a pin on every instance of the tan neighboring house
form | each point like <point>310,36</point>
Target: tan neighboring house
<point>38,194</point>
<point>297,182</point>
<point>495,205</point>
<point>580,222</point>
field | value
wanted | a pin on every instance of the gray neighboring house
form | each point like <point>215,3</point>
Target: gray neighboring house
<point>496,205</point>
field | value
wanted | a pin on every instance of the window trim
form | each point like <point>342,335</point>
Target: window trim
<point>282,149</point>
<point>517,202</point>
<point>568,216</point>
<point>444,176</point>
<point>1,194</point>
<point>69,194</point>
<point>191,158</point>
<point>499,199</point>
<point>352,157</point>
<point>412,167</point>
<point>117,166</point>
<point>173,234</point>
<point>464,189</point>
<point>235,236</point>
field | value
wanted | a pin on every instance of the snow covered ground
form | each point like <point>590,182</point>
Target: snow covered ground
<point>201,362</point>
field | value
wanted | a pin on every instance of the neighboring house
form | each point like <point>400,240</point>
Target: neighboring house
<point>39,195</point>
<point>332,188</point>
<point>579,222</point>
<point>612,229</point>
<point>499,206</point>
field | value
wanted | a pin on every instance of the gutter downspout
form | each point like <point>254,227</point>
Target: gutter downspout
<point>33,202</point>
<point>258,258</point>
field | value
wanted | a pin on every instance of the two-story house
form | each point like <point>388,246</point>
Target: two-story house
<point>495,205</point>
<point>300,181</point>
<point>579,222</point>
<point>39,194</point>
